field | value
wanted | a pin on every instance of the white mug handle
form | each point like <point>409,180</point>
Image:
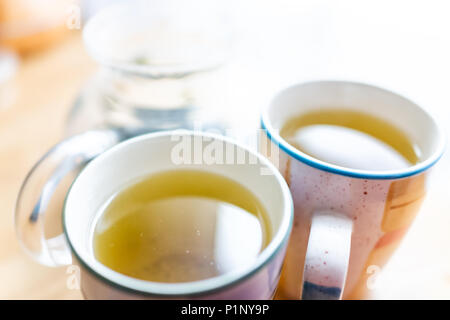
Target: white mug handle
<point>327,256</point>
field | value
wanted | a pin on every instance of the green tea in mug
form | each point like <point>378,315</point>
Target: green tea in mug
<point>181,226</point>
<point>351,139</point>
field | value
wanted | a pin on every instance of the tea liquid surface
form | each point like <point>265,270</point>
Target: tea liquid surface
<point>181,226</point>
<point>351,139</point>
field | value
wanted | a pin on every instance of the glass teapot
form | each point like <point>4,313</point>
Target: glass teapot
<point>161,68</point>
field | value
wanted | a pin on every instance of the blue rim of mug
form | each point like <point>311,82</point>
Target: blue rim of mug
<point>267,255</point>
<point>274,136</point>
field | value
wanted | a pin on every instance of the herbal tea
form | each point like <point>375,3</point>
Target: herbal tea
<point>180,226</point>
<point>351,139</point>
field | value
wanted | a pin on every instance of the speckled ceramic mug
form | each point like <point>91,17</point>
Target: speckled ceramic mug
<point>115,168</point>
<point>345,219</point>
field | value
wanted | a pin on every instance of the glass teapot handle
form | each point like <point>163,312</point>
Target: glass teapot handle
<point>47,184</point>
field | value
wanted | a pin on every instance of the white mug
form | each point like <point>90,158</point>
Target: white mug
<point>115,168</point>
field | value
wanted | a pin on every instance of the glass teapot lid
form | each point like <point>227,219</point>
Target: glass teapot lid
<point>160,38</point>
<point>161,63</point>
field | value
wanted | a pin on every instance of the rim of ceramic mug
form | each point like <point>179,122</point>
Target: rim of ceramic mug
<point>194,288</point>
<point>274,136</point>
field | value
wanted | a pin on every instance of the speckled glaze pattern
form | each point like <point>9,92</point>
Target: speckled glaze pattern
<point>381,210</point>
<point>347,222</point>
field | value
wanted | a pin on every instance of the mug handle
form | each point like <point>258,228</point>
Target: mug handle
<point>327,256</point>
<point>49,176</point>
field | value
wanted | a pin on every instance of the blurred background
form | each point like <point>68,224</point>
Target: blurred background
<point>219,63</point>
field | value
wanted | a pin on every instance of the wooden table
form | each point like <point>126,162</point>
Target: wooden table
<point>46,85</point>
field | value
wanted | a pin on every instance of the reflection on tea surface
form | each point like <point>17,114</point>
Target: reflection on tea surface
<point>351,139</point>
<point>181,226</point>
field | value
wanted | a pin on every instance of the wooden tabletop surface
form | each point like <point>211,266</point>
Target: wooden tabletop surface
<point>45,87</point>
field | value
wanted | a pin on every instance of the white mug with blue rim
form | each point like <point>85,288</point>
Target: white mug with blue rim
<point>346,220</point>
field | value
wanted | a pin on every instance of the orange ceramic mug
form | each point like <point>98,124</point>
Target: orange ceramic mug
<point>346,220</point>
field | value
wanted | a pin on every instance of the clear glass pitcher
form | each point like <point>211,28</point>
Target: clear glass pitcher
<point>160,69</point>
<point>161,66</point>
